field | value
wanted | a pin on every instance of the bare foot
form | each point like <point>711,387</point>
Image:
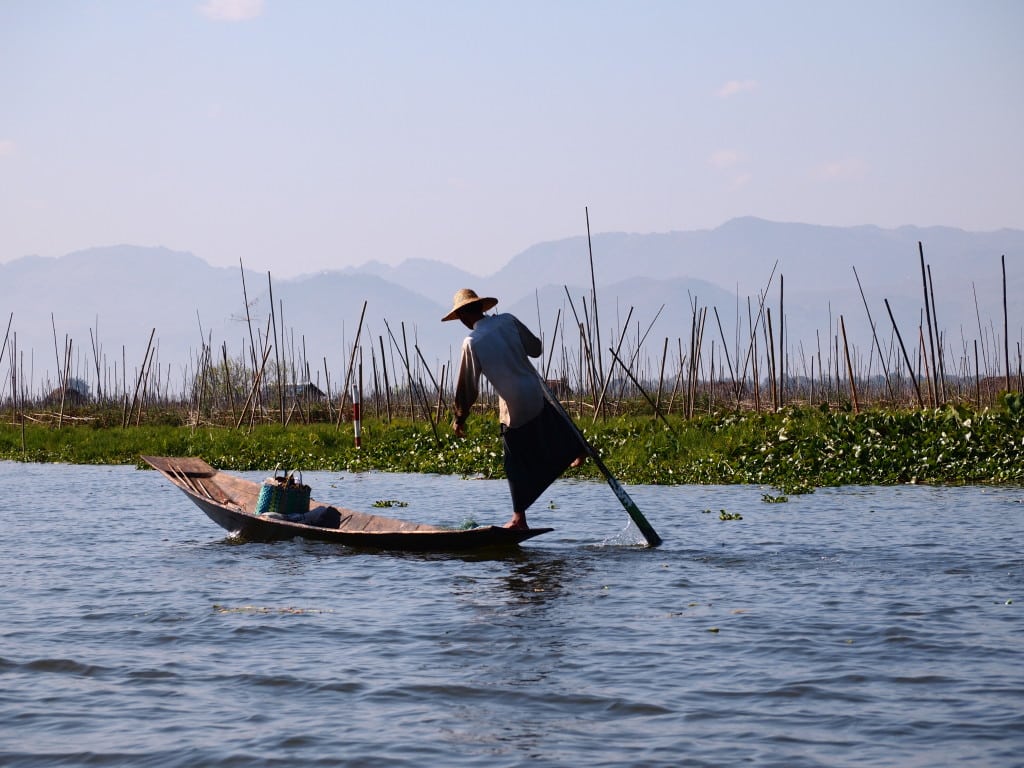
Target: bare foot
<point>517,523</point>
<point>578,461</point>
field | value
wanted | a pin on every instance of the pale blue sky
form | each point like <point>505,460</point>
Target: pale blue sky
<point>302,135</point>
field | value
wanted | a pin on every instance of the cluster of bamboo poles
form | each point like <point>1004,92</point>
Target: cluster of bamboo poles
<point>73,384</point>
<point>759,373</point>
<point>272,380</point>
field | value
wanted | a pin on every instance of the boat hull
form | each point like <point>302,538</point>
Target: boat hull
<point>230,501</point>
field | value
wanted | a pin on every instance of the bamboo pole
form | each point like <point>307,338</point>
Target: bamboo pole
<point>1006,328</point>
<point>835,345</point>
<point>551,351</point>
<point>306,384</point>
<point>874,334</point>
<point>810,400</point>
<point>782,342</point>
<point>752,358</point>
<point>849,367</point>
<point>351,362</point>
<point>940,360</point>
<point>711,379</point>
<point>640,387</point>
<point>203,367</point>
<point>977,377</point>
<point>641,339</point>
<point>584,355</point>
<point>732,376</point>
<point>387,385</point>
<point>608,377</point>
<point>94,344</point>
<point>679,375</point>
<point>22,389</point>
<point>593,295</point>
<point>56,354</point>
<point>404,354</point>
<point>409,377</point>
<point>14,379</point>
<point>586,364</point>
<point>227,381</point>
<point>688,401</point>
<point>593,369</point>
<point>1019,376</point>
<point>252,398</point>
<point>661,373</point>
<point>63,376</point>
<point>147,366</point>
<point>821,368</point>
<point>124,386</point>
<point>770,346</point>
<point>7,334</point>
<point>327,385</point>
<point>376,381</point>
<point>248,320</point>
<point>698,359</point>
<point>138,383</point>
<point>928,319</point>
<point>981,333</point>
<point>933,395</point>
<point>440,392</point>
<point>437,388</point>
<point>278,355</point>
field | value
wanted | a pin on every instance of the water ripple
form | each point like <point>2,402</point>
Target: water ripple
<point>862,626</point>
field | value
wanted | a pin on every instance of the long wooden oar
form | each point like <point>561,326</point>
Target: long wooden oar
<point>651,536</point>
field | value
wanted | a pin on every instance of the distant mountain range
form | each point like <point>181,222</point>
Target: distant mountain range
<point>112,298</point>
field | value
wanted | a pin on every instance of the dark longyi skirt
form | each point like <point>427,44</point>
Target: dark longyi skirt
<point>537,453</point>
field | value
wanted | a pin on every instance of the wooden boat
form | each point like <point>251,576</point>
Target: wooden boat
<point>230,502</point>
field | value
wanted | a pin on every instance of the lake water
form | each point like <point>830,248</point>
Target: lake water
<point>848,627</point>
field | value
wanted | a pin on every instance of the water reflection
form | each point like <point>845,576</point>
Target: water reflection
<point>537,578</point>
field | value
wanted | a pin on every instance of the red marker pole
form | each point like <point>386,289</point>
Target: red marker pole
<point>356,423</point>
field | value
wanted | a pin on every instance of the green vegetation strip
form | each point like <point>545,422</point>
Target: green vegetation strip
<point>795,450</point>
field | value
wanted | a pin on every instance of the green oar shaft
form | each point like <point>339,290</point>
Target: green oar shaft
<point>652,537</point>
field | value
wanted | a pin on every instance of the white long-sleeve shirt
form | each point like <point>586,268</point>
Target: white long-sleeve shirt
<point>497,347</point>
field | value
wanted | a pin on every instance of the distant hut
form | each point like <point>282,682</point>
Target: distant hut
<point>306,392</point>
<point>76,392</point>
<point>559,388</point>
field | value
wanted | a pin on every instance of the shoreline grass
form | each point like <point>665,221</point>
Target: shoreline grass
<point>794,450</point>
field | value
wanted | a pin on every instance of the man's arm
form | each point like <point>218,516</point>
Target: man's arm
<point>533,346</point>
<point>467,387</point>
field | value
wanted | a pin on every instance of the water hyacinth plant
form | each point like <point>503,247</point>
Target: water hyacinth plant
<point>793,450</point>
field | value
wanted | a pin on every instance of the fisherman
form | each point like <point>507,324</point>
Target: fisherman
<point>539,443</point>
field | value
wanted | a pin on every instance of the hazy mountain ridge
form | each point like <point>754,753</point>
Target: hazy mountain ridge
<point>423,276</point>
<point>121,293</point>
<point>743,251</point>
